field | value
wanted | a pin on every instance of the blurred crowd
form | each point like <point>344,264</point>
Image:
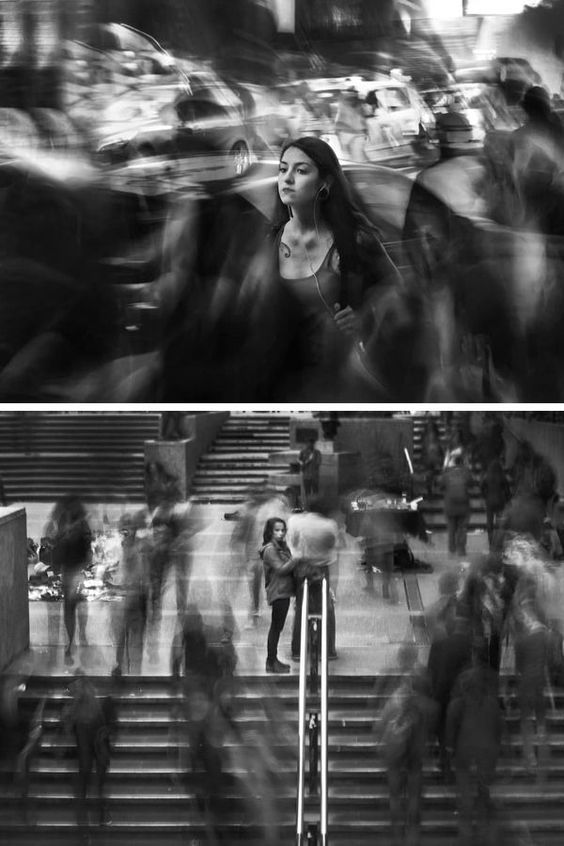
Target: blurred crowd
<point>495,610</point>
<point>136,205</point>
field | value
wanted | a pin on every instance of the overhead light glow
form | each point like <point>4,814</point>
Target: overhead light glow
<point>443,8</point>
<point>499,7</point>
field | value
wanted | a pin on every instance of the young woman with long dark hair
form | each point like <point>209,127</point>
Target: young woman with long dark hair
<point>329,262</point>
<point>279,584</point>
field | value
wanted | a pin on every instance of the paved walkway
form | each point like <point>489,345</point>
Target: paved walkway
<point>369,629</point>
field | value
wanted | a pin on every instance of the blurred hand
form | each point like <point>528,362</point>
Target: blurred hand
<point>347,320</point>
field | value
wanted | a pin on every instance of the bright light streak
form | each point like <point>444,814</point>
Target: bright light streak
<point>498,7</point>
<point>453,8</point>
<point>444,8</point>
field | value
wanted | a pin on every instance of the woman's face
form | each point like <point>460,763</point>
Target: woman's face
<point>279,532</point>
<point>298,178</point>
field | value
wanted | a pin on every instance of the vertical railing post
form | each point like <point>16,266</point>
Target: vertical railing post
<point>302,715</point>
<point>324,709</point>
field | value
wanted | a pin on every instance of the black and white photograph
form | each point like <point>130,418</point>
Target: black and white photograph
<point>312,201</point>
<point>280,627</point>
<point>281,422</point>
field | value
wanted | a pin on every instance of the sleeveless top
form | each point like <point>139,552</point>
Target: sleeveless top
<point>319,349</point>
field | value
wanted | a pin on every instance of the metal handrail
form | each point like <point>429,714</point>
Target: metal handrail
<point>302,715</point>
<point>324,715</point>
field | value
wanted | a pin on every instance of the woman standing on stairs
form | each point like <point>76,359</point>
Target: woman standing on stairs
<point>279,583</point>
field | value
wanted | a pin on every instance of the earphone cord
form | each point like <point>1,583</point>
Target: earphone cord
<point>326,305</point>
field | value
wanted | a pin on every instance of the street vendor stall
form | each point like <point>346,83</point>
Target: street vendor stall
<point>383,521</point>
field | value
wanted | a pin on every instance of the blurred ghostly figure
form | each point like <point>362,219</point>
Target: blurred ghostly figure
<point>473,736</point>
<point>496,492</point>
<point>170,556</point>
<point>350,125</point>
<point>71,538</point>
<point>58,319</point>
<point>257,756</point>
<point>528,624</point>
<point>90,721</point>
<point>534,483</point>
<point>133,583</point>
<point>538,158</point>
<point>456,482</point>
<point>20,736</point>
<point>208,660</point>
<point>432,454</point>
<point>404,726</point>
<point>442,612</point>
<point>312,538</point>
<point>449,655</point>
<point>484,601</point>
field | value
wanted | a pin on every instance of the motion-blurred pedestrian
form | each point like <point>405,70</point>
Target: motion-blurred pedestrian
<point>90,721</point>
<point>310,462</point>
<point>404,726</point>
<point>20,737</point>
<point>496,492</point>
<point>473,737</point>
<point>456,482</point>
<point>432,454</point>
<point>133,585</point>
<point>313,538</point>
<point>71,538</point>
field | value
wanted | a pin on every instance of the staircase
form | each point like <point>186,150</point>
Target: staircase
<point>432,508</point>
<point>98,456</point>
<point>152,800</point>
<point>239,457</point>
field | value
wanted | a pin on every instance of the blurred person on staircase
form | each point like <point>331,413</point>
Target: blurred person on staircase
<point>20,737</point>
<point>91,722</point>
<point>496,491</point>
<point>170,557</point>
<point>473,736</point>
<point>313,540</point>
<point>456,482</point>
<point>528,625</point>
<point>403,728</point>
<point>71,540</point>
<point>432,454</point>
<point>133,583</point>
<point>450,654</point>
<point>310,462</point>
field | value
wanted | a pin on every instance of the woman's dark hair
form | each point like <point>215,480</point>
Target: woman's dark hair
<point>268,533</point>
<point>340,209</point>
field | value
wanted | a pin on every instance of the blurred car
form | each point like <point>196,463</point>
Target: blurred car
<point>395,115</point>
<point>483,105</point>
<point>399,104</point>
<point>134,51</point>
<point>201,134</point>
